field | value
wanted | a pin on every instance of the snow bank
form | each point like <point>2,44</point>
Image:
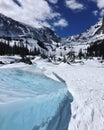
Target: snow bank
<point>31,101</point>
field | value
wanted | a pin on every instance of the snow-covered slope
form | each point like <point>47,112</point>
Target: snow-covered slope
<point>31,101</point>
<point>86,83</point>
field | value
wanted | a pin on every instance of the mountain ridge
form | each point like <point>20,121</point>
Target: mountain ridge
<point>91,34</point>
<point>14,28</point>
<point>45,41</point>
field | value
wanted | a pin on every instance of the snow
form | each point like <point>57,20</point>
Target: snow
<point>86,84</point>
<point>8,59</point>
<point>31,101</point>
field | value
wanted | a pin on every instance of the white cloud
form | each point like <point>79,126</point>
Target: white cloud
<point>61,22</point>
<point>32,12</point>
<point>102,13</point>
<point>100,3</point>
<point>74,5</point>
<point>95,12</point>
<point>53,1</point>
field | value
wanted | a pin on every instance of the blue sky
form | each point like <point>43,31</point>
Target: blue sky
<point>65,17</point>
<point>78,20</point>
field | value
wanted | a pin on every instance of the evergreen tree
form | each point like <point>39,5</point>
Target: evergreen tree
<point>80,55</point>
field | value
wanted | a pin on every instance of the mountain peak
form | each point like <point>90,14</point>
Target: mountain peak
<point>95,32</point>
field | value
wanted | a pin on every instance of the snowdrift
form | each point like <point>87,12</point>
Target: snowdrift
<point>31,101</point>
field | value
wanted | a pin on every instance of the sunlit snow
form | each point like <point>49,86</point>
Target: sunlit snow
<point>86,83</point>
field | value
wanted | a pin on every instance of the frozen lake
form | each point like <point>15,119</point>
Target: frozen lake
<point>20,83</point>
<point>31,101</point>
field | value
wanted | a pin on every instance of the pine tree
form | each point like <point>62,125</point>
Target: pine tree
<point>80,55</point>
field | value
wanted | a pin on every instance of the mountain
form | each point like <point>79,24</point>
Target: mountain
<point>89,39</point>
<point>17,31</point>
<point>45,41</point>
<point>94,33</point>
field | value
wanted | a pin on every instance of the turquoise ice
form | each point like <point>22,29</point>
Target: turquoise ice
<point>31,101</point>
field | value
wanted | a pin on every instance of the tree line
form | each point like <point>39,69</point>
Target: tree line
<point>96,49</point>
<point>17,49</point>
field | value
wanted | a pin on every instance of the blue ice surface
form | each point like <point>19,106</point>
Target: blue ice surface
<point>27,83</point>
<point>30,101</point>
